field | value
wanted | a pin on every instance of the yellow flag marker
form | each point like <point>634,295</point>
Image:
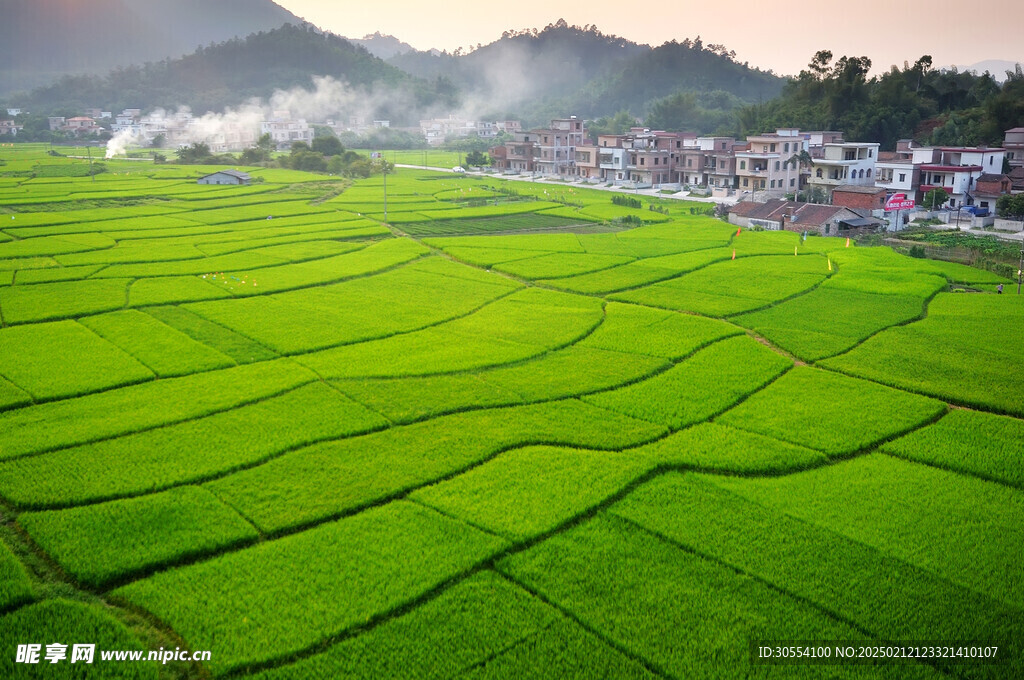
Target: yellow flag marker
<point>847,241</point>
<point>734,254</point>
<point>829,264</point>
<point>794,250</point>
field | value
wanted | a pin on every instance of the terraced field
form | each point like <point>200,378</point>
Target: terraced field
<point>499,435</point>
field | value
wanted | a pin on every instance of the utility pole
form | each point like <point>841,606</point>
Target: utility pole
<point>88,150</point>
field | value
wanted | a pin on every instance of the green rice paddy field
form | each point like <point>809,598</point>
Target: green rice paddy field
<point>499,435</point>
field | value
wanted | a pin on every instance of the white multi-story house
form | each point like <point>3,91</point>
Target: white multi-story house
<point>127,121</point>
<point>844,163</point>
<point>285,130</point>
<point>612,159</point>
<point>956,169</point>
<point>895,170</point>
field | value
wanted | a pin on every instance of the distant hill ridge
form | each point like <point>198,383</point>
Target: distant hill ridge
<point>42,40</point>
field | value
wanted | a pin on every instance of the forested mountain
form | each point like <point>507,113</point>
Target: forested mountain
<point>565,69</point>
<point>42,40</point>
<point>229,74</point>
<point>944,107</point>
<point>677,86</point>
<point>525,66</point>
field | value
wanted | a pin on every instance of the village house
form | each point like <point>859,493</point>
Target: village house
<point>1017,180</point>
<point>612,158</point>
<point>768,164</point>
<point>956,170</point>
<point>651,157</point>
<point>988,188</point>
<point>824,220</point>
<point>556,146</point>
<point>499,157</point>
<point>815,141</point>
<point>285,130</point>
<point>9,127</point>
<point>895,170</point>
<point>1014,145</point>
<point>81,126</point>
<point>521,153</point>
<point>588,164</point>
<point>843,163</point>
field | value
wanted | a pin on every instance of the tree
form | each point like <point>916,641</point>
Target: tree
<point>253,156</point>
<point>159,141</point>
<point>477,159</point>
<point>197,152</point>
<point>618,124</point>
<point>328,146</point>
<point>1011,206</point>
<point>266,143</point>
<point>935,198</point>
<point>800,160</point>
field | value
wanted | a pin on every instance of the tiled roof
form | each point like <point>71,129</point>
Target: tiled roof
<point>813,214</point>
<point>232,173</point>
<point>797,213</point>
<point>859,189</point>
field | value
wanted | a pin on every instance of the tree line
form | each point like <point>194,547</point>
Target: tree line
<point>934,107</point>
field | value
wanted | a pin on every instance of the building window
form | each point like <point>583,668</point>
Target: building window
<point>869,172</point>
<point>903,177</point>
<point>777,165</point>
<point>773,148</point>
<point>785,147</point>
<point>745,182</point>
<point>743,165</point>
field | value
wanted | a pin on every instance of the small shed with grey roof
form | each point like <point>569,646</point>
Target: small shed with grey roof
<point>226,177</point>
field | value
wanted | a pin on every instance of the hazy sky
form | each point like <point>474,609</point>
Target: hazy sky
<point>780,36</point>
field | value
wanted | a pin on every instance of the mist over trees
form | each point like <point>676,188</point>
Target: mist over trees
<point>228,74</point>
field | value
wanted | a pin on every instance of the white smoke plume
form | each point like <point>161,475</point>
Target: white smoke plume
<point>119,143</point>
<point>328,98</point>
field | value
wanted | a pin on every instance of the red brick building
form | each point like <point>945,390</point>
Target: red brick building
<point>859,197</point>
